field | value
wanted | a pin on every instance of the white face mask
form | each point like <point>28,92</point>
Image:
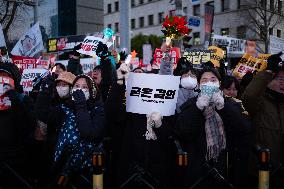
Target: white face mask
<point>85,91</point>
<point>63,91</point>
<point>188,82</point>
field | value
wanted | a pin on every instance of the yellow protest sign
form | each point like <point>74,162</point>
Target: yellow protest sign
<point>197,56</point>
<point>249,63</point>
<point>263,56</point>
<point>216,55</point>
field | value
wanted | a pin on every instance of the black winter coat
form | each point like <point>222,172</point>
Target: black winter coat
<point>190,129</point>
<point>128,130</point>
<point>17,125</point>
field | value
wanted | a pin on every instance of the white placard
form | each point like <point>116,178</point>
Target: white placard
<point>147,93</point>
<point>90,45</point>
<point>276,44</point>
<point>29,44</point>
<point>29,75</point>
<point>234,45</point>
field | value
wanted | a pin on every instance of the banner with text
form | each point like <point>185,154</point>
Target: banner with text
<point>28,77</point>
<point>147,93</point>
<point>249,63</point>
<point>234,45</point>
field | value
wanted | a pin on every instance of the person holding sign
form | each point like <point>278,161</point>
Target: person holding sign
<point>264,100</point>
<point>140,141</point>
<point>17,124</point>
<point>204,126</point>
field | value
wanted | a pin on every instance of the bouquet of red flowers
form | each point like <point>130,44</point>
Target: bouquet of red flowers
<point>175,27</point>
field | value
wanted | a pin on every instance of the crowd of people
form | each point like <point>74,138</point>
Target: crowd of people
<point>219,120</point>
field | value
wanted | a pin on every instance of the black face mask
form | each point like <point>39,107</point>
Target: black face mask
<point>279,97</point>
<point>75,61</point>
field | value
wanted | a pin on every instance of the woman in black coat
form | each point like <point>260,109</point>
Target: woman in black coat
<point>206,127</point>
<point>76,119</point>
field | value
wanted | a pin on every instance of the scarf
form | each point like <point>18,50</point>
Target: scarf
<point>183,96</point>
<point>215,135</point>
<point>80,151</point>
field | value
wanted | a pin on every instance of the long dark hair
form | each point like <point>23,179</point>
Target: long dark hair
<point>93,89</point>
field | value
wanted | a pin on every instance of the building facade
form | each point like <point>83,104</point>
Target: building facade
<point>61,18</point>
<point>230,17</point>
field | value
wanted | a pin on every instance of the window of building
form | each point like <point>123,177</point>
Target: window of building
<point>116,6</point>
<point>133,25</point>
<point>151,20</point>
<point>132,3</point>
<point>239,4</point>
<point>270,31</point>
<point>161,17</point>
<point>171,12</point>
<point>241,32</point>
<point>141,2</point>
<point>149,0</point>
<point>280,6</point>
<point>271,4</point>
<point>224,5</point>
<point>185,10</point>
<point>108,8</point>
<point>196,10</point>
<point>211,3</point>
<point>225,31</point>
<point>263,31</point>
<point>196,38</point>
<point>141,22</point>
<point>116,27</point>
<point>279,33</point>
<point>109,26</point>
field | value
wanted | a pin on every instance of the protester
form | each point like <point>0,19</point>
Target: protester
<point>17,126</point>
<point>59,68</point>
<point>264,100</point>
<point>188,82</point>
<point>74,65</point>
<point>230,86</point>
<point>205,126</point>
<point>140,146</point>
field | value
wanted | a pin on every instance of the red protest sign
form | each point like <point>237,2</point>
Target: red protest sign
<point>158,55</point>
<point>29,63</point>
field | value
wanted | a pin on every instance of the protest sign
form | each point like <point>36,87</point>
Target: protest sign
<point>158,55</point>
<point>134,63</point>
<point>28,77</point>
<point>197,56</point>
<point>6,83</point>
<point>29,63</point>
<point>147,54</point>
<point>216,55</point>
<point>276,44</point>
<point>88,64</point>
<point>249,63</point>
<point>29,44</point>
<point>147,93</point>
<point>90,45</point>
<point>234,45</point>
<point>263,56</point>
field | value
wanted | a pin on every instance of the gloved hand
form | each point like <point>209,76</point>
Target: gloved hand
<point>157,118</point>
<point>48,84</point>
<point>274,62</point>
<point>79,98</point>
<point>218,100</point>
<point>202,101</point>
<point>102,50</point>
<point>122,73</point>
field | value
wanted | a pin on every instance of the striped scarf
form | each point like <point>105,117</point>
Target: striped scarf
<point>215,134</point>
